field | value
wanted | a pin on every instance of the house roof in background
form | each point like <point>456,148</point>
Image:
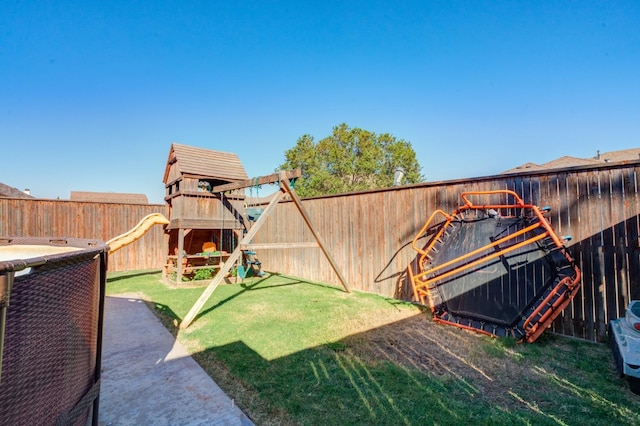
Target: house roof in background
<point>109,197</point>
<point>11,192</point>
<point>622,155</point>
<point>205,163</point>
<point>568,161</point>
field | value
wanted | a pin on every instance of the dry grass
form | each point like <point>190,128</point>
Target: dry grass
<point>502,372</point>
<point>448,353</point>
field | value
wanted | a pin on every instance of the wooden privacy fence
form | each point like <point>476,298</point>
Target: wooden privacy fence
<point>56,218</point>
<point>369,233</point>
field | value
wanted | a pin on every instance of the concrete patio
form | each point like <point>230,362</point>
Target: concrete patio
<point>148,378</point>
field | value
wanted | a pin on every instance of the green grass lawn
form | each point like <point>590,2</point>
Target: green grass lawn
<point>290,351</point>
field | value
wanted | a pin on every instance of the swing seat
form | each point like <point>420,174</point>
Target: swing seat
<point>242,272</point>
<point>253,213</point>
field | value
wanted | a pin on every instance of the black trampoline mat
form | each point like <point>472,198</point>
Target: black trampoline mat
<point>499,290</point>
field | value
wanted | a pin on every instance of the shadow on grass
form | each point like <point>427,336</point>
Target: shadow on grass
<point>417,372</point>
<point>117,276</point>
<point>378,377</point>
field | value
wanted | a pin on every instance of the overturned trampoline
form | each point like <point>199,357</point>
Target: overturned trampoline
<point>494,266</point>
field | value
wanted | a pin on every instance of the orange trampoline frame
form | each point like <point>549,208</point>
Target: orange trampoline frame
<point>547,309</point>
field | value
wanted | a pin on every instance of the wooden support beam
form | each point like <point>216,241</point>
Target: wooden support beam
<point>180,254</point>
<point>227,223</point>
<point>276,177</point>
<point>267,246</point>
<point>224,269</point>
<point>284,183</point>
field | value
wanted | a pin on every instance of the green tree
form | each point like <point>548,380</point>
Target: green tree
<point>351,159</point>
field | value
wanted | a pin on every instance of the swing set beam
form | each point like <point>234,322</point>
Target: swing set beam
<point>276,177</point>
<point>284,177</point>
<point>270,246</point>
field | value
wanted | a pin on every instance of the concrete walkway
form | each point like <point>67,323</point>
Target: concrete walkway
<point>148,378</point>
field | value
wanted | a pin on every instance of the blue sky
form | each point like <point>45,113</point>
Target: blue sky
<point>92,94</point>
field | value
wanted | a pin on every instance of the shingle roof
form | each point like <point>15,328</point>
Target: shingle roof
<point>109,197</point>
<point>568,161</point>
<point>622,155</point>
<point>205,163</point>
<point>632,154</point>
<point>11,192</point>
<point>526,167</point>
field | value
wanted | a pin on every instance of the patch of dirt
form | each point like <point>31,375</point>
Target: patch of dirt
<point>476,362</point>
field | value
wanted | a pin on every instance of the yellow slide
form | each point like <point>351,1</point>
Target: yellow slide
<point>137,231</point>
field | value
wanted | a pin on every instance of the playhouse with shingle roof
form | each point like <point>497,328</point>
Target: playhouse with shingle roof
<point>203,226</point>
